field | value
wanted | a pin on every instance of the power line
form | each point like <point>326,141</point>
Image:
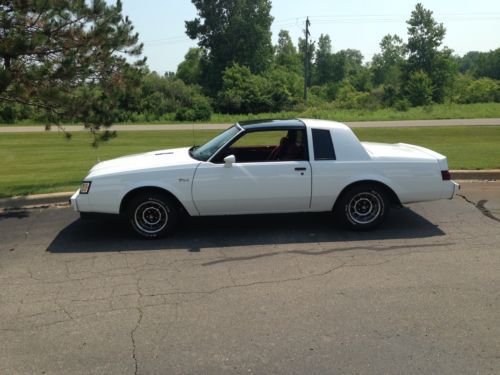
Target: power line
<point>344,19</point>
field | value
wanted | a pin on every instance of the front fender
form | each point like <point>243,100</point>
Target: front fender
<point>107,193</point>
<point>180,189</point>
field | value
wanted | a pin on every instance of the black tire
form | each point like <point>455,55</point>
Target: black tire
<point>152,214</point>
<point>363,207</point>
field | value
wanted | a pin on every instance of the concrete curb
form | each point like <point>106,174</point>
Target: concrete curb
<point>19,202</point>
<point>487,174</point>
<point>34,200</point>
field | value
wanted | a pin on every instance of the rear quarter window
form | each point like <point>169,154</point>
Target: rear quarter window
<point>323,145</point>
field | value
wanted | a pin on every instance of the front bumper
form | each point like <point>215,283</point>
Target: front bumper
<point>74,200</point>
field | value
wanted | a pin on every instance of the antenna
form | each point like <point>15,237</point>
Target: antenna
<point>194,138</point>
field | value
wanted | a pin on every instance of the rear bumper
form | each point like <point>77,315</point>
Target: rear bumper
<point>452,189</point>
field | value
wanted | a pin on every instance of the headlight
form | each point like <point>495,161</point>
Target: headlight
<point>84,189</point>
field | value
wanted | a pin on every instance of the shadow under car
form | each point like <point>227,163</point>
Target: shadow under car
<point>194,234</point>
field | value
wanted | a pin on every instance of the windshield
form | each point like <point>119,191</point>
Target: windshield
<point>208,149</point>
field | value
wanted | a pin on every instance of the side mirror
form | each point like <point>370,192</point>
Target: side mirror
<point>229,160</point>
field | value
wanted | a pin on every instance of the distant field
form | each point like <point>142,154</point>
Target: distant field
<point>437,111</point>
<point>35,163</point>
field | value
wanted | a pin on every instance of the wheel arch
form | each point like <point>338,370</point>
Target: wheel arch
<point>142,189</point>
<point>391,194</point>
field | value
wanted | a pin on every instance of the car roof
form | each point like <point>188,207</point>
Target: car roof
<point>272,124</point>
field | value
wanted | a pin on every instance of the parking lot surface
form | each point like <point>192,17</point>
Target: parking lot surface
<point>285,294</point>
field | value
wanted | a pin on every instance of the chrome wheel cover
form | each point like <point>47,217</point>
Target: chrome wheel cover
<point>365,208</point>
<point>151,217</point>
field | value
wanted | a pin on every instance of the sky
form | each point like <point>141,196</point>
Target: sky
<point>356,24</point>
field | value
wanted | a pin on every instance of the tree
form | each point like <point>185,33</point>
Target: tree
<point>324,70</point>
<point>425,37</point>
<point>481,64</point>
<point>231,32</point>
<point>67,58</point>
<point>286,54</point>
<point>353,60</point>
<point>189,70</point>
<point>387,65</point>
<point>345,64</point>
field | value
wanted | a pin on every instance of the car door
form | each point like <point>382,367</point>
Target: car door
<point>253,186</point>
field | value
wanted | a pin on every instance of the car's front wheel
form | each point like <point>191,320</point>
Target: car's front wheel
<point>152,214</point>
<point>363,207</point>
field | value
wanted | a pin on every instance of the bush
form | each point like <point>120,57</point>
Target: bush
<point>483,90</point>
<point>164,95</point>
<point>390,95</point>
<point>7,114</point>
<point>349,98</point>
<point>199,110</point>
<point>284,87</point>
<point>402,105</point>
<point>184,114</point>
<point>244,92</point>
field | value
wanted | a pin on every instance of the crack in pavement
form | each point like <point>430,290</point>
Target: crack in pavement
<point>134,346</point>
<point>202,295</point>
<point>322,252</point>
<point>480,206</point>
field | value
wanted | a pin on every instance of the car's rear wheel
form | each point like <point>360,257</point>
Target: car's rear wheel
<point>152,214</point>
<point>363,207</point>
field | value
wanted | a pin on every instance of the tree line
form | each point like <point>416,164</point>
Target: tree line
<point>75,61</point>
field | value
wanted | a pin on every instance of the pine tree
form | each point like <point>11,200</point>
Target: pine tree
<point>67,58</point>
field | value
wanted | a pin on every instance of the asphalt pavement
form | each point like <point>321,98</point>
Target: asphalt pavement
<point>284,294</point>
<point>198,126</point>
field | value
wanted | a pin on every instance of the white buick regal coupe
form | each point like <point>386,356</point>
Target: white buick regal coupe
<point>267,167</point>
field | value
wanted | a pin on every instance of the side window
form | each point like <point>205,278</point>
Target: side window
<point>323,145</point>
<point>259,139</point>
<point>267,145</point>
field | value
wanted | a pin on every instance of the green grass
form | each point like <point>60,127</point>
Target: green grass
<point>35,163</point>
<point>437,111</point>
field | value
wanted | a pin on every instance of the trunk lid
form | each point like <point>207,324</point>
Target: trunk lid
<point>404,152</point>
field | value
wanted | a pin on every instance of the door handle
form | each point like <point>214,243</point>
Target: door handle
<point>300,169</point>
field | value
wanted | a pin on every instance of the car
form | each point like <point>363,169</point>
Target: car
<point>270,166</point>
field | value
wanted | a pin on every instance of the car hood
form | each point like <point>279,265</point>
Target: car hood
<point>160,159</point>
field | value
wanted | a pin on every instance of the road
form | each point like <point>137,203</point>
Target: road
<point>358,124</point>
<point>285,294</point>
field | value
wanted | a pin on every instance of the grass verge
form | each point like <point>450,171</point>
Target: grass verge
<point>434,112</point>
<point>34,163</point>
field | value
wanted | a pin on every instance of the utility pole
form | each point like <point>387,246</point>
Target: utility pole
<point>306,58</point>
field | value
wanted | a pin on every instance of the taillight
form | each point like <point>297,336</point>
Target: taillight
<point>445,175</point>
